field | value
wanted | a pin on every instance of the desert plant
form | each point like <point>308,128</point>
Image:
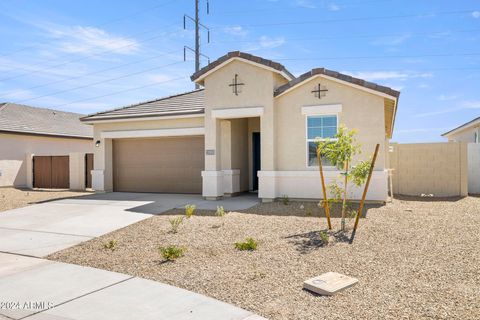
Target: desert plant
<point>171,253</point>
<point>340,153</point>
<point>325,237</point>
<point>249,244</point>
<point>175,224</point>
<point>111,245</point>
<point>285,200</point>
<point>220,212</point>
<point>190,210</point>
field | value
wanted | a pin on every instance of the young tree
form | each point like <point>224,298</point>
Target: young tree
<point>340,152</point>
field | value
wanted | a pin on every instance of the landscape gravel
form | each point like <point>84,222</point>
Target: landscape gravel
<point>415,259</point>
<point>11,198</point>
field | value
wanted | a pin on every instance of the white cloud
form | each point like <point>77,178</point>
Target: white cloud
<point>269,43</point>
<point>392,41</point>
<point>447,97</point>
<point>305,4</point>
<point>87,40</point>
<point>333,7</point>
<point>476,14</point>
<point>236,31</point>
<point>388,75</point>
<point>466,105</point>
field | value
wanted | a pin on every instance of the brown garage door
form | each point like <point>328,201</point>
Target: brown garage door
<point>171,165</point>
<point>51,172</point>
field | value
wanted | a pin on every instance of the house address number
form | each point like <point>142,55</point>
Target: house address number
<point>210,152</point>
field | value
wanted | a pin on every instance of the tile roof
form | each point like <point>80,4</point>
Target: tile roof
<point>467,125</point>
<point>188,103</point>
<point>337,75</point>
<point>41,121</point>
<point>238,54</point>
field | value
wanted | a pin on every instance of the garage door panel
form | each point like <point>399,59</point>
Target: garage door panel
<point>171,165</point>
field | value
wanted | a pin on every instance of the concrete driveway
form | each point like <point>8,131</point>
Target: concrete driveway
<point>41,229</point>
<point>34,288</point>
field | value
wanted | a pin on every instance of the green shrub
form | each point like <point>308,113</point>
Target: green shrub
<point>325,237</point>
<point>111,245</point>
<point>286,200</point>
<point>190,210</point>
<point>171,253</point>
<point>175,224</point>
<point>249,244</point>
<point>220,211</point>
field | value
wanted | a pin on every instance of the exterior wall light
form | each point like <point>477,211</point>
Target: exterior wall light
<point>97,144</point>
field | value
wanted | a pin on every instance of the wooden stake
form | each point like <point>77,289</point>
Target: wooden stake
<point>344,202</point>
<point>322,179</point>
<point>360,209</point>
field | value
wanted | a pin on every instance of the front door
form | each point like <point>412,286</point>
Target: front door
<point>256,158</point>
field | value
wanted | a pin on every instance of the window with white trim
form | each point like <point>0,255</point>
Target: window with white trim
<point>319,128</point>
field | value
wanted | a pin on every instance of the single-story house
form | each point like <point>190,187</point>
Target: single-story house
<point>252,127</point>
<point>467,132</point>
<point>26,131</point>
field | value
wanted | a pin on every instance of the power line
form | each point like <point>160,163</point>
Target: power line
<point>105,23</point>
<point>83,58</point>
<point>429,33</point>
<point>99,71</point>
<point>382,57</point>
<point>350,19</point>
<point>119,92</point>
<point>99,82</point>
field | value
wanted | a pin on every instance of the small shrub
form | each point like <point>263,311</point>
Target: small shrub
<point>171,253</point>
<point>220,212</point>
<point>111,245</point>
<point>325,237</point>
<point>190,210</point>
<point>286,200</point>
<point>249,244</point>
<point>175,224</point>
<point>309,212</point>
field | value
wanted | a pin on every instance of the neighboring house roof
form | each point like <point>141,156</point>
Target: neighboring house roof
<point>17,118</point>
<point>188,103</point>
<point>468,125</point>
<point>337,75</point>
<point>246,56</point>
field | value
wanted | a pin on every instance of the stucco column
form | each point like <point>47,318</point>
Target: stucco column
<point>102,176</point>
<point>77,170</point>
<point>212,176</point>
<point>266,180</point>
<point>29,168</point>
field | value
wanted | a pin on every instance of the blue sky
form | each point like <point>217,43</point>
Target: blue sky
<point>86,56</point>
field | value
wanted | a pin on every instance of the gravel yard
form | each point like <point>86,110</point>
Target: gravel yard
<point>414,259</point>
<point>11,198</point>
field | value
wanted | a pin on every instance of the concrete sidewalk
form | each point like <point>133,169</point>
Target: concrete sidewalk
<point>47,290</point>
<point>41,229</point>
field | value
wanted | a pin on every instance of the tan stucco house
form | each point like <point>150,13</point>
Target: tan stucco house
<point>467,132</point>
<point>251,127</point>
<point>27,131</point>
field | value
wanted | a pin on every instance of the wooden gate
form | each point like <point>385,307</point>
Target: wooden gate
<point>88,169</point>
<point>51,172</point>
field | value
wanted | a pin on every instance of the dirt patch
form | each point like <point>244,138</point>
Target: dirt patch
<point>413,259</point>
<point>11,198</point>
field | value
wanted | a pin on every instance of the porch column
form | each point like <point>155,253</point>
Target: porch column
<point>266,182</point>
<point>102,174</point>
<point>212,176</point>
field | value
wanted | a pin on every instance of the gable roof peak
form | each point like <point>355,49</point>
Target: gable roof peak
<point>277,67</point>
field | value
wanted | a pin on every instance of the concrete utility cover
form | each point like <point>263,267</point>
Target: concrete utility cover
<point>329,283</point>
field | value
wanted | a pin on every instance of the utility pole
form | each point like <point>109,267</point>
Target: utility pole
<point>197,51</point>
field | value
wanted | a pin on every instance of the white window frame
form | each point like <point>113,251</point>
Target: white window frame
<point>307,140</point>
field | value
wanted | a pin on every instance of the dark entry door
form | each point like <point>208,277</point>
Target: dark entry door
<point>88,169</point>
<point>256,158</point>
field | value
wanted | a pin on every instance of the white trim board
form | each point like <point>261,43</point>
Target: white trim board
<point>120,119</point>
<point>152,133</point>
<point>234,113</point>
